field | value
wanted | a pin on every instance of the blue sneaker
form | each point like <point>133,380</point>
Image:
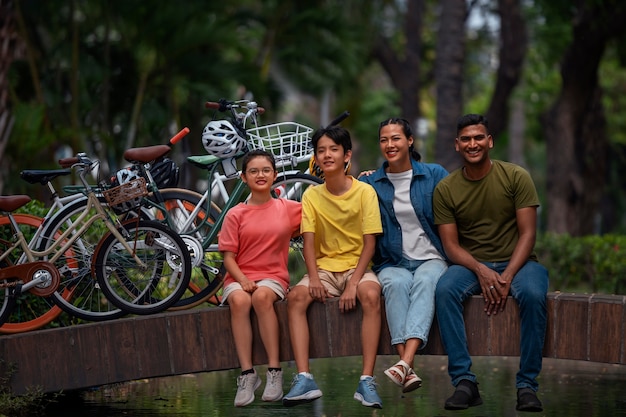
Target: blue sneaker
<point>366,393</point>
<point>303,390</point>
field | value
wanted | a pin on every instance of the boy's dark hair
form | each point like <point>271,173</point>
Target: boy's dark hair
<point>408,132</point>
<point>470,120</point>
<point>338,134</point>
<point>253,154</point>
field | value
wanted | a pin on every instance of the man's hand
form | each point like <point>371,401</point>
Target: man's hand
<point>494,289</point>
<point>503,287</point>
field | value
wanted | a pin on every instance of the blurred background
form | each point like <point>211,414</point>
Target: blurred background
<point>100,76</point>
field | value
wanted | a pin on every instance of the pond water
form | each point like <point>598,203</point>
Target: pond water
<point>567,388</point>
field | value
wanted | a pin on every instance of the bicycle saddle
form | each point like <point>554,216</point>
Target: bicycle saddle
<point>43,176</point>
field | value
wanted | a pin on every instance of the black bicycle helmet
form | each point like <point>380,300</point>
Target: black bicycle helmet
<point>165,173</point>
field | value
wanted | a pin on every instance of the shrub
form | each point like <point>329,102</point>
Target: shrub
<point>584,264</point>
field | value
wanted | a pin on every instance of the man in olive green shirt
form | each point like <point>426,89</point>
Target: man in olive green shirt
<point>486,213</point>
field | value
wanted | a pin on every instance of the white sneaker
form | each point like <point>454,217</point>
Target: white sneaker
<point>246,385</point>
<point>274,386</point>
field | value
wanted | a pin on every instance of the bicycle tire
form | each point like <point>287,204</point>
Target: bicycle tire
<point>78,293</point>
<point>27,311</point>
<point>293,186</point>
<point>7,305</point>
<point>207,274</point>
<point>139,289</point>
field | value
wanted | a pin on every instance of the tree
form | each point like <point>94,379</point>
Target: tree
<point>404,64</point>
<point>449,70</point>
<point>575,125</point>
<point>513,45</point>
<point>10,48</point>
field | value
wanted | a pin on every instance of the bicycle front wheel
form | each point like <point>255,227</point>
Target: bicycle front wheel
<point>152,276</point>
<point>78,293</point>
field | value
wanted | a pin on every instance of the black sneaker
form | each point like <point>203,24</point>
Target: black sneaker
<point>465,396</point>
<point>527,400</point>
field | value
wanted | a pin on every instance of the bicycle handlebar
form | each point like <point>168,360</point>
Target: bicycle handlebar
<point>343,116</point>
<point>68,162</point>
<point>225,105</point>
<point>177,137</point>
<point>80,159</point>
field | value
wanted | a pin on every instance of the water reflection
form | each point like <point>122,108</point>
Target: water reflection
<point>567,388</point>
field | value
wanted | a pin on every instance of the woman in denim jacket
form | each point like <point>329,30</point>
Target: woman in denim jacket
<point>409,256</point>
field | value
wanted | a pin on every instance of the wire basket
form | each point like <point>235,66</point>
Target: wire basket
<point>126,196</point>
<point>289,142</point>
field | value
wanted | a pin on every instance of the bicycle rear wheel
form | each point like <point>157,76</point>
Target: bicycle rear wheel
<point>155,284</point>
<point>7,304</point>
<point>27,311</point>
<point>191,216</point>
<point>293,186</point>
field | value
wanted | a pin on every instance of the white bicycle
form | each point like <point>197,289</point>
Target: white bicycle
<point>198,217</point>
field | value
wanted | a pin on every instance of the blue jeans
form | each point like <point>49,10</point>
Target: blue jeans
<point>409,291</point>
<point>529,288</point>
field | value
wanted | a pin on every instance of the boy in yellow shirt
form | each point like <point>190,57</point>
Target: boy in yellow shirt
<point>340,221</point>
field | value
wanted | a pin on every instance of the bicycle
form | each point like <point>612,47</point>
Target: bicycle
<point>80,298</point>
<point>43,310</point>
<point>122,257</point>
<point>198,217</point>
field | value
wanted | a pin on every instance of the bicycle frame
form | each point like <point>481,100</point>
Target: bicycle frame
<point>61,245</point>
<point>231,200</point>
<point>57,204</point>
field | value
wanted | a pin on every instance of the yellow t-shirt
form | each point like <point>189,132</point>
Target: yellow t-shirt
<point>339,223</point>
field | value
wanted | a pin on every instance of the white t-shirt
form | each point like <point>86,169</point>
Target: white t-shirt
<point>415,242</point>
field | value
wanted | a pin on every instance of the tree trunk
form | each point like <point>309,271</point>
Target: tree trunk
<point>10,48</point>
<point>517,131</point>
<point>513,46</point>
<point>449,67</point>
<point>405,71</point>
<point>575,127</point>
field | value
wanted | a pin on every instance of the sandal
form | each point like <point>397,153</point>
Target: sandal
<point>411,382</point>
<point>397,373</point>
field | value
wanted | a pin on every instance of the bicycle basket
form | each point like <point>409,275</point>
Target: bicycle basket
<point>289,142</point>
<point>127,196</point>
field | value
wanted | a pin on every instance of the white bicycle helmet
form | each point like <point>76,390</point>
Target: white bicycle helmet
<point>125,175</point>
<point>220,138</point>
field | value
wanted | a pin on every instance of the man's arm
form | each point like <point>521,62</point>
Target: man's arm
<point>527,228</point>
<point>347,301</point>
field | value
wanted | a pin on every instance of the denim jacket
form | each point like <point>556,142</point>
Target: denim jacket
<point>425,179</point>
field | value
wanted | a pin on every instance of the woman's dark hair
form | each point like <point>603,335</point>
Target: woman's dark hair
<point>338,134</point>
<point>470,120</point>
<point>408,132</point>
<point>253,154</point>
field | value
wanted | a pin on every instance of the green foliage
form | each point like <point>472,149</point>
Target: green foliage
<point>32,403</point>
<point>584,264</point>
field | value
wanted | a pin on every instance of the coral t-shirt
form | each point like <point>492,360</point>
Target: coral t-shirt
<point>259,237</point>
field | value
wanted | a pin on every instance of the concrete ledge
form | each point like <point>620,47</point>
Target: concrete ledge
<point>581,327</point>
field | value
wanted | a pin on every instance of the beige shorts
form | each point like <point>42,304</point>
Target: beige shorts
<point>270,283</point>
<point>335,282</point>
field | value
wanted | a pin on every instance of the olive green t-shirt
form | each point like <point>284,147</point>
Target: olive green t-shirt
<point>485,210</point>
